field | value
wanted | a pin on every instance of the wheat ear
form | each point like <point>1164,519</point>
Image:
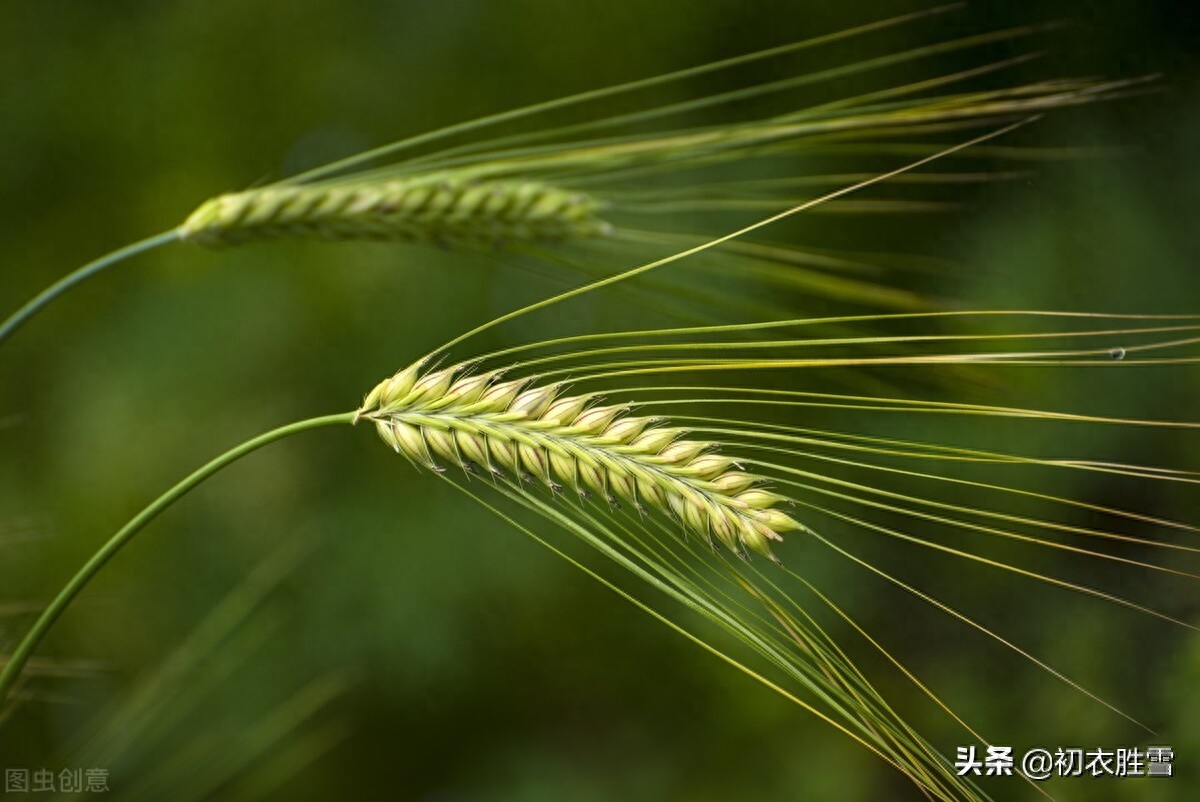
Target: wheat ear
<point>442,208</point>
<point>517,429</point>
<point>507,190</point>
<point>434,209</point>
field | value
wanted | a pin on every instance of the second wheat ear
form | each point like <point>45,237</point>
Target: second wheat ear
<point>516,429</point>
<point>435,209</point>
<point>604,177</point>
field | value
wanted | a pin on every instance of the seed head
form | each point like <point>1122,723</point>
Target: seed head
<point>430,209</point>
<point>517,428</point>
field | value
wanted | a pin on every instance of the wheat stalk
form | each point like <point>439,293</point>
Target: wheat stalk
<point>518,429</point>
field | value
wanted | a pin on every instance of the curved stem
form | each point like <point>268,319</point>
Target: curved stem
<point>22,315</point>
<point>12,670</point>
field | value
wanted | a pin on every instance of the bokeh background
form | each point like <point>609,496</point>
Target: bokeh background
<point>407,645</point>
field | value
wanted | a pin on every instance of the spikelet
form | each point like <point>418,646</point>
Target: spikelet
<point>515,428</point>
<point>441,208</point>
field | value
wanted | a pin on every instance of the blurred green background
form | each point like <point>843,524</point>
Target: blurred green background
<point>477,664</point>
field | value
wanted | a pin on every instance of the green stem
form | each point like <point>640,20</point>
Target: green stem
<point>16,663</point>
<point>22,315</point>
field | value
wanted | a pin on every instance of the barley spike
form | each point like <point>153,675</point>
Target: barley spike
<point>516,429</point>
<point>438,208</point>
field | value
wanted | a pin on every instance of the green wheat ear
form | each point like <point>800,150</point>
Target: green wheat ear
<point>442,209</point>
<point>594,181</point>
<point>479,421</point>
